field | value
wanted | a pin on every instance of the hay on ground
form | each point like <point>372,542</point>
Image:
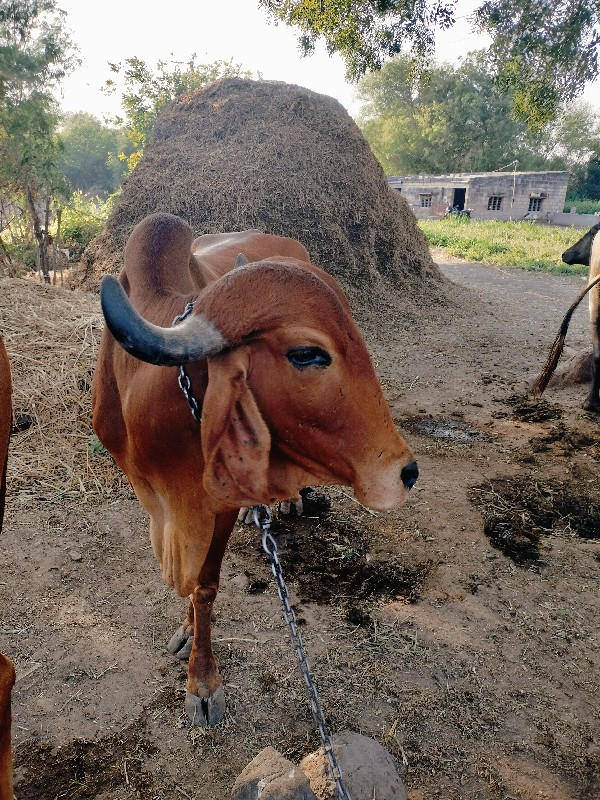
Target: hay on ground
<point>52,336</point>
<point>263,154</point>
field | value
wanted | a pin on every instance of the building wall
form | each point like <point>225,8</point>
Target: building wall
<point>439,189</point>
<point>517,193</point>
<point>514,193</point>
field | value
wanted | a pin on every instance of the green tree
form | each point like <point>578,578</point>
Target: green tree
<point>147,92</point>
<point>589,181</point>
<point>35,54</point>
<point>90,154</point>
<point>35,48</point>
<point>544,52</point>
<point>455,121</point>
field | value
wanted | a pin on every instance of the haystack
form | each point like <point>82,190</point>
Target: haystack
<point>263,154</point>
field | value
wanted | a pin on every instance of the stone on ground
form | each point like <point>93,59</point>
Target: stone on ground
<point>575,370</point>
<point>368,770</point>
<point>270,776</point>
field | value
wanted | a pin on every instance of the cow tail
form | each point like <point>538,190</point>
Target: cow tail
<point>557,347</point>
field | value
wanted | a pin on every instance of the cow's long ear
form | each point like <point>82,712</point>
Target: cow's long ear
<point>236,441</point>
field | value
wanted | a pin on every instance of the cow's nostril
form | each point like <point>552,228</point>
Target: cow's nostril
<point>409,475</point>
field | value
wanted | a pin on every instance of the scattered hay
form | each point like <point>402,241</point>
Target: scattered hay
<point>52,336</point>
<point>263,154</point>
<point>517,512</point>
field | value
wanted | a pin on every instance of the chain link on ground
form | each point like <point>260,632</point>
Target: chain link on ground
<point>263,519</point>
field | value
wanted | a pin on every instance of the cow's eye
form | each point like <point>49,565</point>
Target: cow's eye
<point>303,357</point>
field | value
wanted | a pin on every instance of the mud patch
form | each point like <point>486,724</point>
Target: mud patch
<point>517,512</point>
<point>85,769</point>
<point>330,562</point>
<point>567,441</point>
<point>445,428</point>
<point>519,545</point>
<point>530,410</point>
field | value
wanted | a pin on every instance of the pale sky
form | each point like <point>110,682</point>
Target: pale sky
<point>113,30</point>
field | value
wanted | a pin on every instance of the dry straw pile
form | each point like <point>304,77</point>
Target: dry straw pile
<point>262,154</point>
<point>52,336</point>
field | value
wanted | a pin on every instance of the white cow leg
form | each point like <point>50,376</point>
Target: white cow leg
<point>593,399</point>
<point>592,402</point>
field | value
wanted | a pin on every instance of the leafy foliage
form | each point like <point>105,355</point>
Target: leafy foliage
<point>147,92</point>
<point>543,52</point>
<point>583,206</point>
<point>364,32</point>
<point>34,56</point>
<point>35,53</point>
<point>455,121</point>
<point>83,218</point>
<point>458,121</point>
<point>90,154</point>
<point>35,49</point>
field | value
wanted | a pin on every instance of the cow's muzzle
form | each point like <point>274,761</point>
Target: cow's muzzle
<point>410,475</point>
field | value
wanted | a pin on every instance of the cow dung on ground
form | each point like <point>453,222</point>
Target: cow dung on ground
<point>244,154</point>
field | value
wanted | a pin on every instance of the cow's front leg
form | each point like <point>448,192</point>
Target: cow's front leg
<point>204,698</point>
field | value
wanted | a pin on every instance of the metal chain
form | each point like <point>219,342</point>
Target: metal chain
<point>183,380</point>
<point>263,518</point>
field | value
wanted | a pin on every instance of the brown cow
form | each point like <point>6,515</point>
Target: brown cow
<point>288,393</point>
<point>7,680</point>
<point>7,671</point>
<point>585,251</point>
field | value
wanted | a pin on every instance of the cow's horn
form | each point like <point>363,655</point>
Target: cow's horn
<point>195,338</point>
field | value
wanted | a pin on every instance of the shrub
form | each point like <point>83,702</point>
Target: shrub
<point>82,219</point>
<point>583,206</point>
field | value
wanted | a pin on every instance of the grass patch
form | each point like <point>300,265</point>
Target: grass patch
<point>505,244</point>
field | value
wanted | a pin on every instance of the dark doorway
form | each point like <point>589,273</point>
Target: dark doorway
<point>459,199</point>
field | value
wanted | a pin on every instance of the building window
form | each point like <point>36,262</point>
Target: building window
<point>535,204</point>
<point>495,203</point>
<point>425,201</point>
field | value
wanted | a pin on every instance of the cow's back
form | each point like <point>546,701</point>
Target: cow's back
<point>215,253</point>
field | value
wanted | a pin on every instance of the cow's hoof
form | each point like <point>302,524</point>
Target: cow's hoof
<point>246,516</point>
<point>205,711</point>
<point>291,508</point>
<point>593,406</point>
<point>180,644</point>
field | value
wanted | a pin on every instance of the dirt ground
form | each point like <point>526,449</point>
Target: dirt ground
<point>461,631</point>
